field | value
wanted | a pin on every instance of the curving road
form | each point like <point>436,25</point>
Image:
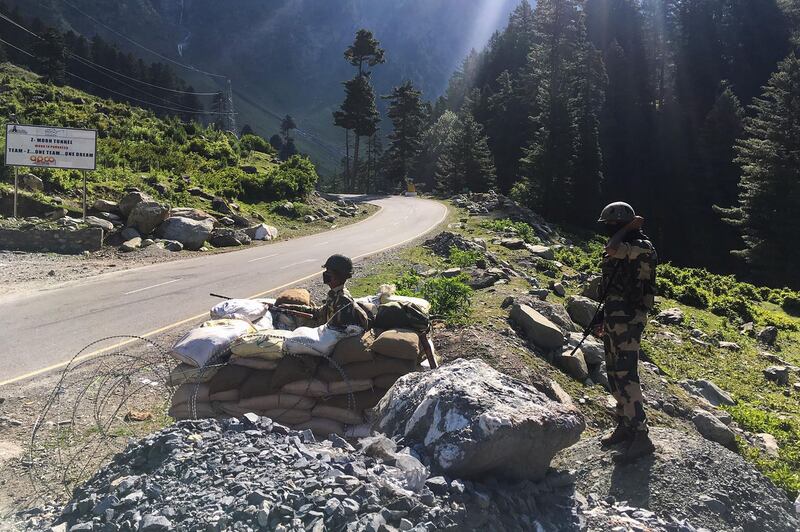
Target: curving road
<point>42,331</point>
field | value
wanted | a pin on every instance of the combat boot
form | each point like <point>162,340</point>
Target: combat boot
<point>641,446</point>
<point>621,434</point>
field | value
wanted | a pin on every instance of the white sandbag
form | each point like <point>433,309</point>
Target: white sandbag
<point>370,304</point>
<point>207,344</point>
<point>253,363</point>
<point>387,295</point>
<point>266,345</point>
<point>266,323</point>
<point>249,309</point>
<point>318,341</point>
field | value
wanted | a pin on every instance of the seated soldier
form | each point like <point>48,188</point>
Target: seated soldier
<point>339,310</point>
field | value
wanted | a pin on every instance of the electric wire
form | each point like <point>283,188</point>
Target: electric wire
<point>23,28</point>
<point>17,48</point>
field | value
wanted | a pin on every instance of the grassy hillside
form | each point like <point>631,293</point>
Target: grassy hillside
<point>165,158</point>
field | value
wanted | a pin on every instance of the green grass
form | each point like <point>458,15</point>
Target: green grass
<point>523,230</point>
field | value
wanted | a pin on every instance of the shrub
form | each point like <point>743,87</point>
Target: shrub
<point>294,178</point>
<point>791,304</point>
<point>695,297</point>
<point>463,259</point>
<point>256,143</point>
<point>449,297</point>
<point>733,308</point>
<point>524,230</point>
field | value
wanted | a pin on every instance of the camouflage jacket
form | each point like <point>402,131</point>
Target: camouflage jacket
<point>340,310</point>
<point>629,276</point>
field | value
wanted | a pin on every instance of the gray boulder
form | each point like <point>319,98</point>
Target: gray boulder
<point>581,310</point>
<point>191,233</point>
<point>170,245</point>
<point>671,316</point>
<point>262,232</point>
<point>31,182</point>
<point>538,329</point>
<point>541,251</point>
<point>573,365</point>
<point>470,420</point>
<point>192,214</point>
<point>592,288</point>
<point>593,351</point>
<point>512,243</point>
<point>94,221</point>
<point>708,391</point>
<point>713,429</point>
<point>147,215</point>
<point>128,233</point>
<point>226,237</point>
<point>102,205</point>
<point>131,245</point>
<point>130,200</point>
<point>220,205</point>
<point>777,374</point>
<point>768,335</point>
<point>552,311</point>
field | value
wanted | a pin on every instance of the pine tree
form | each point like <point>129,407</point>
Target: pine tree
<point>365,49</point>
<point>288,150</point>
<point>407,113</point>
<point>434,141</point>
<point>287,125</point>
<point>465,162</point>
<point>51,55</point>
<point>277,142</point>
<point>769,191</point>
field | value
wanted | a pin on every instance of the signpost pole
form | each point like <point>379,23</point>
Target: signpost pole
<point>84,195</point>
<point>16,187</point>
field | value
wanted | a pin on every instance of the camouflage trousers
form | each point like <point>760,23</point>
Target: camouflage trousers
<point>623,335</point>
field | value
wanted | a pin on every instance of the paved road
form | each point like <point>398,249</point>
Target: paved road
<point>44,329</point>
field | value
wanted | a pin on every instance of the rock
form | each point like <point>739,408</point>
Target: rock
<point>155,523</point>
<point>593,351</point>
<point>541,251</point>
<point>94,221</point>
<point>707,390</point>
<point>540,293</point>
<point>777,374</point>
<point>170,245</point>
<point>767,443</point>
<point>131,245</point>
<point>31,182</point>
<point>731,346</point>
<point>512,243</point>
<point>147,242</point>
<point>248,169</point>
<point>552,311</point>
<point>581,309</point>
<point>262,232</point>
<point>672,316</point>
<point>308,218</point>
<point>239,220</point>
<point>102,205</point>
<point>226,220</point>
<point>130,200</point>
<point>287,209</point>
<point>191,233</point>
<point>768,335</point>
<point>559,289</point>
<point>224,237</point>
<point>538,329</point>
<point>713,429</point>
<point>200,193</point>
<point>129,233</point>
<point>192,214</point>
<point>573,365</point>
<point>451,272</point>
<point>220,205</point>
<point>480,280</point>
<point>56,214</point>
<point>147,215</point>
<point>470,420</point>
<point>592,288</point>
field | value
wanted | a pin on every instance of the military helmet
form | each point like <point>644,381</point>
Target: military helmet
<point>619,211</point>
<point>339,264</point>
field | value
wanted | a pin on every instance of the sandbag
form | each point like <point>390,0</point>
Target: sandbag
<point>423,304</point>
<point>358,401</point>
<point>253,363</point>
<point>267,345</point>
<point>184,373</point>
<point>266,323</point>
<point>380,366</point>
<point>370,305</point>
<point>353,386</point>
<point>209,343</point>
<point>354,349</point>
<point>386,381</point>
<point>288,416</point>
<point>342,415</point>
<point>398,343</point>
<point>307,388</point>
<point>248,309</point>
<point>258,383</point>
<point>275,401</point>
<point>294,368</point>
<point>321,427</point>
<point>201,411</point>
<point>233,409</point>
<point>199,393</point>
<point>294,296</point>
<point>318,341</point>
<point>228,378</point>
<point>225,395</point>
<point>402,315</point>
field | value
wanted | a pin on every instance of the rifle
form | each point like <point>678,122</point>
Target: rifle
<point>600,307</point>
<point>276,308</point>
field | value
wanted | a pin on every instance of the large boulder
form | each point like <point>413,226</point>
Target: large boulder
<point>594,352</point>
<point>469,420</point>
<point>708,391</point>
<point>538,329</point>
<point>147,215</point>
<point>102,205</point>
<point>225,237</point>
<point>220,205</point>
<point>31,182</point>
<point>552,311</point>
<point>777,374</point>
<point>713,429</point>
<point>192,214</point>
<point>262,232</point>
<point>544,252</point>
<point>671,316</point>
<point>573,364</point>
<point>94,221</point>
<point>768,335</point>
<point>581,309</point>
<point>191,233</point>
<point>130,200</point>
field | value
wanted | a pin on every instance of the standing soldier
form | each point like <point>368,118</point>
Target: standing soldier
<point>629,273</point>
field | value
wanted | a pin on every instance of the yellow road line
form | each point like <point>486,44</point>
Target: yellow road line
<point>204,314</point>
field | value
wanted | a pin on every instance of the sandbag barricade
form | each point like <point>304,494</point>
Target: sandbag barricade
<point>327,384</point>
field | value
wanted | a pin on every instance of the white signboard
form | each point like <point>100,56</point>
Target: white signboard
<point>51,147</point>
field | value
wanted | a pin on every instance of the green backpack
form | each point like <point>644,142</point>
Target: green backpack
<point>402,315</point>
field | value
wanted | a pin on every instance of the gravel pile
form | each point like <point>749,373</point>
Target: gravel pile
<point>255,474</point>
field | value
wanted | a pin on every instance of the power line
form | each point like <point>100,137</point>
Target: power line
<point>143,47</point>
<point>17,48</point>
<point>21,27</point>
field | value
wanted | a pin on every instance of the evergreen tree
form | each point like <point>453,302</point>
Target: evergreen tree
<point>365,49</point>
<point>246,130</point>
<point>466,162</point>
<point>434,141</point>
<point>277,142</point>
<point>407,113</point>
<point>287,125</point>
<point>51,55</point>
<point>288,150</point>
<point>769,191</point>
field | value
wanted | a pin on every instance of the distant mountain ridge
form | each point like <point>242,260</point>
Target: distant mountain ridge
<point>285,56</point>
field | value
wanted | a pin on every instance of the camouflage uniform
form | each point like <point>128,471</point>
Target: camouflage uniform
<point>629,281</point>
<point>340,310</point>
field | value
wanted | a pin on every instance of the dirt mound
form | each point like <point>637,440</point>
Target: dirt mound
<point>688,477</point>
